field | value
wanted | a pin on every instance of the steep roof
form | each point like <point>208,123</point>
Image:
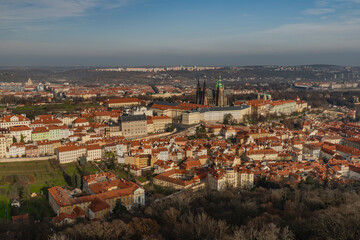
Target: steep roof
<point>8,118</point>
<point>19,128</point>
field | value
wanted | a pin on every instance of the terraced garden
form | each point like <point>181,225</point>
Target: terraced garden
<point>38,175</point>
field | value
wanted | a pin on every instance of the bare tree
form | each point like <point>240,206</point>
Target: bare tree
<point>267,232</point>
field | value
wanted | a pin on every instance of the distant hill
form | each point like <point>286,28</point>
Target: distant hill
<point>231,76</point>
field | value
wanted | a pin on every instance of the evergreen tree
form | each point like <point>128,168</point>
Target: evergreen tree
<point>22,138</point>
<point>112,163</point>
<point>309,180</point>
<point>128,171</point>
<point>78,181</point>
<point>24,192</point>
<point>119,209</point>
<point>73,180</point>
<point>228,118</point>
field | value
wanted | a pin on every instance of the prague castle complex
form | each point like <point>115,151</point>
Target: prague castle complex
<point>217,97</point>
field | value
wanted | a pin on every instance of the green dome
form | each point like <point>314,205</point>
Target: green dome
<point>219,84</point>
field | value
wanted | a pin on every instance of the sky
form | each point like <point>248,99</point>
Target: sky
<point>179,32</point>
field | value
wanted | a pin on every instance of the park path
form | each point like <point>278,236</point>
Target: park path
<point>26,159</point>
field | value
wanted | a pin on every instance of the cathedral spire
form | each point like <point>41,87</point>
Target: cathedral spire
<point>198,92</point>
<point>219,84</point>
<point>204,95</point>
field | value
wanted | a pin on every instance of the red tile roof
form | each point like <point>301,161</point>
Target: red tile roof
<point>93,147</point>
<point>69,148</point>
<point>19,128</point>
<point>7,118</point>
<point>97,205</point>
<point>123,100</point>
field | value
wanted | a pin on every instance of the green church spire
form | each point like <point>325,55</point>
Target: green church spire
<point>219,84</point>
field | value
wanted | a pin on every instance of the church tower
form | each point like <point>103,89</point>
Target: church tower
<point>198,93</point>
<point>204,100</point>
<point>219,93</point>
<point>29,82</point>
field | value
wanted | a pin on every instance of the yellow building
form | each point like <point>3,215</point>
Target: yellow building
<point>122,102</point>
<point>160,123</point>
<point>141,161</point>
<point>104,191</point>
<point>133,126</point>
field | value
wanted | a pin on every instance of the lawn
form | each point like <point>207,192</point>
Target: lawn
<point>34,110</point>
<point>89,169</point>
<point>62,106</point>
<point>45,176</point>
<point>120,173</point>
<point>92,169</point>
<point>142,179</point>
<point>43,172</point>
<point>5,208</point>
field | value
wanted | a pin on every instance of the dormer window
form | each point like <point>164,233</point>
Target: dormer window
<point>14,119</point>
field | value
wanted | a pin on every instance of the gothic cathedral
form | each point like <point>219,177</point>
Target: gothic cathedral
<point>217,97</point>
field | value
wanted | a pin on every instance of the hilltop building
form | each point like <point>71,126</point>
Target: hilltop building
<point>29,82</point>
<point>133,125</point>
<point>212,97</point>
<point>99,196</point>
<point>215,114</point>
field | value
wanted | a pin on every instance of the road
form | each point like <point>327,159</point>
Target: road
<point>182,130</point>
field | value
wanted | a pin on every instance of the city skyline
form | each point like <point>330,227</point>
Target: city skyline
<point>163,33</point>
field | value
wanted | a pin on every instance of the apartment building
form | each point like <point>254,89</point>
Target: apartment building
<point>16,150</point>
<point>93,152</point>
<point>47,148</point>
<point>133,125</point>
<point>245,178</point>
<point>160,123</point>
<point>8,136</point>
<point>220,179</point>
<point>31,151</point>
<point>21,133</point>
<point>3,145</point>
<point>122,102</point>
<point>141,161</point>
<point>14,120</point>
<point>352,142</point>
<point>262,154</point>
<point>68,154</point>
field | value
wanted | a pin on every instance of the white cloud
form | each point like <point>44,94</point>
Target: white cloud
<point>334,36</point>
<point>290,38</point>
<point>349,1</point>
<point>319,11</point>
<point>23,10</point>
<point>343,7</point>
<point>321,3</point>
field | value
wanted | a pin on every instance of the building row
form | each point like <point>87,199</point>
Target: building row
<point>100,194</point>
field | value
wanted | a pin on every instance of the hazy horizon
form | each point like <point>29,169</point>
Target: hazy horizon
<point>163,33</point>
